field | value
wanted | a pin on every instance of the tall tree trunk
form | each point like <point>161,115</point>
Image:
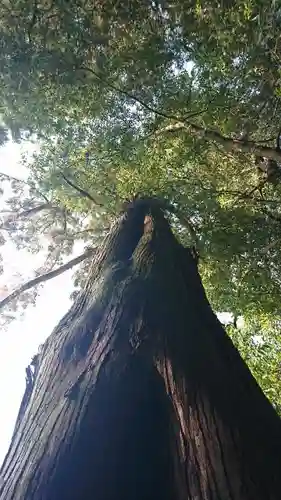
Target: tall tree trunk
<point>138,393</point>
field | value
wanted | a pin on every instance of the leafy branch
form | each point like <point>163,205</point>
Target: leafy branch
<point>228,143</point>
<point>15,216</point>
<point>46,277</point>
<point>81,191</point>
<point>11,178</point>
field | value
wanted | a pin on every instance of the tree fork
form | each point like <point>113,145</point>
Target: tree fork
<point>139,393</point>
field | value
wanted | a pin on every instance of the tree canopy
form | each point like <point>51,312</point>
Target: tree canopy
<point>175,99</point>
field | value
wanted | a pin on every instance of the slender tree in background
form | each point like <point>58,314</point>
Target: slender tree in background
<point>139,393</point>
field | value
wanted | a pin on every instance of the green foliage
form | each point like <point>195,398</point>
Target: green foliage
<point>259,344</point>
<point>102,87</point>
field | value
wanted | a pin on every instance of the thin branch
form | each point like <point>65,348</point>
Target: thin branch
<point>204,110</point>
<point>46,277</point>
<point>264,200</point>
<point>196,113</point>
<point>270,139</point>
<point>31,187</point>
<point>36,190</point>
<point>33,19</point>
<point>35,210</point>
<point>64,220</point>
<point>188,225</point>
<point>272,216</point>
<point>81,191</point>
<point>184,221</point>
<point>260,185</point>
<point>130,96</point>
<point>11,178</point>
<point>240,195</point>
<point>271,245</point>
<point>76,235</point>
<point>14,216</point>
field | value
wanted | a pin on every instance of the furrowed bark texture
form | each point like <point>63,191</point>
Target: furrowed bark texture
<point>138,393</point>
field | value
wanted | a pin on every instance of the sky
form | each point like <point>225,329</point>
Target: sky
<point>20,341</point>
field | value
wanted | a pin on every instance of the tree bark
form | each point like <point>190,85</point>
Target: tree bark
<point>139,393</point>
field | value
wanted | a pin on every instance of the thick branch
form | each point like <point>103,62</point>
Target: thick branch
<point>81,191</point>
<point>228,143</point>
<point>46,277</point>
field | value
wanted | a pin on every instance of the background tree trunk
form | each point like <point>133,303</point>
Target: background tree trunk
<point>139,393</point>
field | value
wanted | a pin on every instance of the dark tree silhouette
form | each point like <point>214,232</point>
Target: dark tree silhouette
<point>139,393</point>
